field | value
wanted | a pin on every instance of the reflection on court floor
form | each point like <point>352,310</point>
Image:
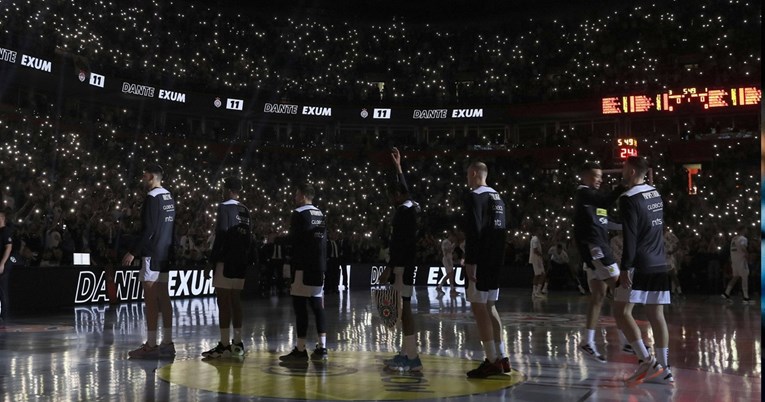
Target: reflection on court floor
<point>345,376</point>
<point>81,354</point>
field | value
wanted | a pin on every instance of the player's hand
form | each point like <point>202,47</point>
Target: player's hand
<point>127,259</point>
<point>396,155</point>
<point>470,272</point>
<point>385,276</point>
<point>624,280</point>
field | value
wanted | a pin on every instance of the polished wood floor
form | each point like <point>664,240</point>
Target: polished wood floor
<point>81,353</point>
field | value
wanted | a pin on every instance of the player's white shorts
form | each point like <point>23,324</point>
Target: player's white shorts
<point>474,295</point>
<point>222,282</point>
<point>298,288</point>
<point>539,268</point>
<point>646,289</point>
<point>147,274</point>
<point>739,267</point>
<point>398,284</point>
<point>601,272</point>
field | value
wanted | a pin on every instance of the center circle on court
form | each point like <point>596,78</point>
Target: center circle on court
<point>346,376</point>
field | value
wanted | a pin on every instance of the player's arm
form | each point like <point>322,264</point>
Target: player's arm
<point>471,228</point>
<point>672,243</point>
<point>744,246</point>
<point>396,157</point>
<point>149,218</point>
<point>7,248</point>
<point>599,199</point>
<point>629,243</point>
<point>538,250</point>
<point>221,226</point>
<point>471,224</point>
<point>297,226</point>
<point>446,249</point>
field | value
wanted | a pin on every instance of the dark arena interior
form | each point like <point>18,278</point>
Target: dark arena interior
<point>431,179</point>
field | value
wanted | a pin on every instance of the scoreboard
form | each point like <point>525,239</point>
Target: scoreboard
<point>696,98</point>
<point>625,147</point>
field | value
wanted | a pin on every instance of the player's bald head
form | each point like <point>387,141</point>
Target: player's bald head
<point>640,164</point>
<point>479,168</point>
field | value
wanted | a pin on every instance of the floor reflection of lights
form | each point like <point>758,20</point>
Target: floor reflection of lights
<point>80,354</point>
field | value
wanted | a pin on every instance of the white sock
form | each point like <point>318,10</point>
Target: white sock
<point>410,346</point>
<point>639,347</point>
<point>536,288</point>
<point>500,349</point>
<point>490,349</point>
<point>589,336</point>
<point>301,344</point>
<point>662,356</point>
<point>544,287</point>
<point>323,341</point>
<point>225,336</point>
<point>151,338</point>
<point>238,335</point>
<point>622,339</point>
<point>167,335</point>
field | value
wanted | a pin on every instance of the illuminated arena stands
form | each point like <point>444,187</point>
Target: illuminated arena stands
<point>91,92</point>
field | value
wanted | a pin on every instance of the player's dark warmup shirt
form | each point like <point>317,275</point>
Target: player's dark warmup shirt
<point>307,241</point>
<point>157,226</point>
<point>6,238</point>
<point>642,211</point>
<point>591,221</point>
<point>403,246</point>
<point>233,231</point>
<point>485,227</point>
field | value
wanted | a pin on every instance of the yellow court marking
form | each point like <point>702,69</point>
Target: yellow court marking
<point>346,376</point>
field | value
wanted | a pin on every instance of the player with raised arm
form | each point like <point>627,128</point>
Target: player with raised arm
<point>403,254</point>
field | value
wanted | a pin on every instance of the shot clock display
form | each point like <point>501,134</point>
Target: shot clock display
<point>625,147</point>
